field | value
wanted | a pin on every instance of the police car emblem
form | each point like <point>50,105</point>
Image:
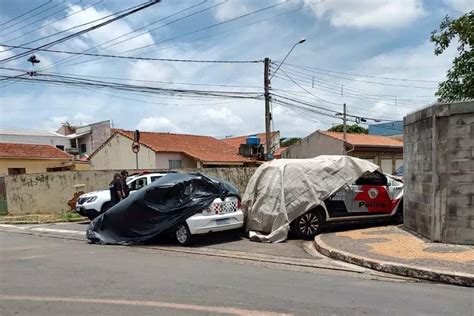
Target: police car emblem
<point>373,193</point>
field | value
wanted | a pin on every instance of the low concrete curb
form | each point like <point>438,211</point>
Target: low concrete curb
<point>443,276</point>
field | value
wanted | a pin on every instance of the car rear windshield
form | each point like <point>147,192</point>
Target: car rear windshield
<point>372,178</point>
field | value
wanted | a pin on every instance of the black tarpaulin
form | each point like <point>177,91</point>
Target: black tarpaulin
<point>157,208</point>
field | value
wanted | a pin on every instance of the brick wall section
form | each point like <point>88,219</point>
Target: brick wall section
<point>439,172</point>
<point>49,192</point>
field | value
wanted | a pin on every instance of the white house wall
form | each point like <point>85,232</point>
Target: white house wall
<point>162,160</point>
<point>35,139</point>
<point>314,145</point>
<point>117,154</point>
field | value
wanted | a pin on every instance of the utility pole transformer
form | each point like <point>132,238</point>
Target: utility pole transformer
<point>268,115</point>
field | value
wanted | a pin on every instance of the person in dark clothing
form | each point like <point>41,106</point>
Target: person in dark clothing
<point>125,188</point>
<point>116,190</point>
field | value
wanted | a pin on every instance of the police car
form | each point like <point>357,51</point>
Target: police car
<point>374,195</point>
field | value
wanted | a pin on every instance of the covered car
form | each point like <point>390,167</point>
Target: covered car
<point>284,190</point>
<point>184,204</point>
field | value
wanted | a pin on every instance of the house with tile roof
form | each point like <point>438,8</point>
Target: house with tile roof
<point>236,141</point>
<point>165,151</point>
<point>35,158</point>
<point>384,151</point>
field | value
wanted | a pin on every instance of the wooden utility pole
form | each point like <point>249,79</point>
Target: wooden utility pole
<point>268,115</point>
<point>344,127</point>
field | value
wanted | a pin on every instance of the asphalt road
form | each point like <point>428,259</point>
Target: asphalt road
<point>51,276</point>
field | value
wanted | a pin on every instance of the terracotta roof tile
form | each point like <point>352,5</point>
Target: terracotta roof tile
<point>366,140</point>
<point>32,151</point>
<point>204,148</point>
<point>279,151</point>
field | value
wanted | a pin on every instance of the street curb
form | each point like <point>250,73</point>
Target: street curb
<point>463,279</point>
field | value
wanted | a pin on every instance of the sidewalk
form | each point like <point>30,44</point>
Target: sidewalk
<point>394,250</point>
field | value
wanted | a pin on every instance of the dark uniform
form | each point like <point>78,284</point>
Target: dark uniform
<point>115,187</point>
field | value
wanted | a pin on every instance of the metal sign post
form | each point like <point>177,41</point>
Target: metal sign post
<point>136,145</point>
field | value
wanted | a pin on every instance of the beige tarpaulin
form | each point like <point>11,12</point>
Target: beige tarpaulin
<point>283,189</point>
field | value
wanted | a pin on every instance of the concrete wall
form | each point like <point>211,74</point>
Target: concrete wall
<point>117,154</point>
<point>50,192</point>
<point>314,145</point>
<point>388,161</point>
<point>99,133</point>
<point>31,165</point>
<point>439,172</point>
<point>162,160</point>
<point>36,139</point>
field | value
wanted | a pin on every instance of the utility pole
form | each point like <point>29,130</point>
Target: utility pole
<point>268,115</point>
<point>344,128</point>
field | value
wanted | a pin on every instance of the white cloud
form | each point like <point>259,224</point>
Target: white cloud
<point>460,5</point>
<point>156,124</point>
<point>82,119</point>
<point>102,34</point>
<point>217,120</point>
<point>376,14</point>
<point>231,10</point>
<point>4,53</point>
<point>145,70</point>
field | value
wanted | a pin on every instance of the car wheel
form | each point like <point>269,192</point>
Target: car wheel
<point>183,235</point>
<point>398,217</point>
<point>308,225</point>
<point>105,207</point>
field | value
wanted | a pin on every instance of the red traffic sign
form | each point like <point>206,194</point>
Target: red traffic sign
<point>135,147</point>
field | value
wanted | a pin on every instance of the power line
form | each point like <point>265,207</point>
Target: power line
<point>374,82</point>
<point>72,58</point>
<point>54,21</point>
<point>28,12</point>
<point>312,77</point>
<point>359,75</point>
<point>302,88</point>
<point>64,80</point>
<point>353,94</point>
<point>298,93</point>
<point>127,12</point>
<point>356,96</point>
<point>150,81</point>
<point>136,57</point>
<point>209,36</point>
<point>195,31</point>
<point>40,19</point>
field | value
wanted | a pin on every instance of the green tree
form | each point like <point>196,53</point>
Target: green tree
<point>285,142</point>
<point>460,78</point>
<point>355,129</point>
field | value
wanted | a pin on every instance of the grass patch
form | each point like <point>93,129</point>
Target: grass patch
<point>41,218</point>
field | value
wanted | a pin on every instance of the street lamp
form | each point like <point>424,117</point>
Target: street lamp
<point>301,41</point>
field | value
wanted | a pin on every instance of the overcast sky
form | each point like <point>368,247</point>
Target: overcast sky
<point>373,39</point>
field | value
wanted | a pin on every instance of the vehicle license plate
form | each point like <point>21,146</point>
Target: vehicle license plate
<point>222,221</point>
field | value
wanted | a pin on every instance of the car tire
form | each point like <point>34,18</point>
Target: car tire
<point>105,207</point>
<point>398,217</point>
<point>183,235</point>
<point>308,225</point>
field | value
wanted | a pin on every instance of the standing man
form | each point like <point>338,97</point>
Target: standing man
<point>125,188</point>
<point>116,190</point>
